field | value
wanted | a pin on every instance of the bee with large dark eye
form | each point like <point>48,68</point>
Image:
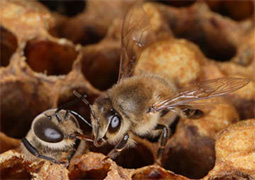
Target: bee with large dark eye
<point>139,104</point>
<point>55,135</point>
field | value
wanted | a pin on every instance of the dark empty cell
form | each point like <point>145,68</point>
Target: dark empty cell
<point>8,45</point>
<point>213,43</point>
<point>17,171</point>
<point>237,10</point>
<point>19,108</point>
<point>177,3</point>
<point>100,65</point>
<point>219,48</point>
<point>95,174</point>
<point>90,36</point>
<point>136,157</point>
<point>49,57</point>
<point>104,149</point>
<point>65,7</point>
<point>82,29</point>
<point>191,155</point>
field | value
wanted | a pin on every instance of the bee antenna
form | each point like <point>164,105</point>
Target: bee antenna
<point>79,116</point>
<point>83,98</point>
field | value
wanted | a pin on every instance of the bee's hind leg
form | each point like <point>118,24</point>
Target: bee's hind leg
<point>75,147</point>
<point>165,134</point>
<point>118,148</point>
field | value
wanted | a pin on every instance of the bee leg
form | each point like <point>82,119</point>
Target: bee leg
<point>34,151</point>
<point>58,117</point>
<point>75,147</point>
<point>165,134</point>
<point>71,103</point>
<point>67,114</point>
<point>118,148</point>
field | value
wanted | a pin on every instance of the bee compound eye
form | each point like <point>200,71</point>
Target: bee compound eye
<point>47,131</point>
<point>115,124</point>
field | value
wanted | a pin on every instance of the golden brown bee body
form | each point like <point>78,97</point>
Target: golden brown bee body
<point>132,99</point>
<point>53,136</point>
<point>139,104</point>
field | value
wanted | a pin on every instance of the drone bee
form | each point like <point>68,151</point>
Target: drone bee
<point>55,135</point>
<point>137,105</point>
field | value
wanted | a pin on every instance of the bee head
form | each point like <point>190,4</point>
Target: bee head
<point>106,121</point>
<point>55,130</point>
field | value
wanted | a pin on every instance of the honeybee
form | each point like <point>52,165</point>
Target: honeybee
<point>138,105</point>
<point>55,135</point>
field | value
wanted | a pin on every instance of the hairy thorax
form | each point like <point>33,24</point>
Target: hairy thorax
<point>134,96</point>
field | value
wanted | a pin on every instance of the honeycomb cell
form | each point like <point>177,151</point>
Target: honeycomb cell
<point>89,167</point>
<point>14,168</point>
<point>155,172</point>
<point>50,57</point>
<point>19,109</point>
<point>135,157</point>
<point>8,45</point>
<point>65,7</point>
<point>100,64</point>
<point>236,10</point>
<point>220,49</point>
<point>193,158</point>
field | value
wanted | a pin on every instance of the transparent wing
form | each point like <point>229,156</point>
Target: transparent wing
<point>204,90</point>
<point>136,34</point>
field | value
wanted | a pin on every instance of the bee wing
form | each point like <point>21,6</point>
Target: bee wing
<point>135,35</point>
<point>204,90</point>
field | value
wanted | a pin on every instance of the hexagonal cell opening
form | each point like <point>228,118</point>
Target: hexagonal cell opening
<point>49,57</point>
<point>216,47</point>
<point>100,65</point>
<point>65,7</point>
<point>136,157</point>
<point>84,33</point>
<point>236,10</point>
<point>74,23</point>
<point>15,171</point>
<point>8,45</point>
<point>19,108</point>
<point>189,154</point>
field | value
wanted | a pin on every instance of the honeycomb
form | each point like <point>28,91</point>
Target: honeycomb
<point>50,48</point>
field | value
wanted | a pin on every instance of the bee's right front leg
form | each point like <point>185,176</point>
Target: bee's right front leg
<point>119,147</point>
<point>165,134</point>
